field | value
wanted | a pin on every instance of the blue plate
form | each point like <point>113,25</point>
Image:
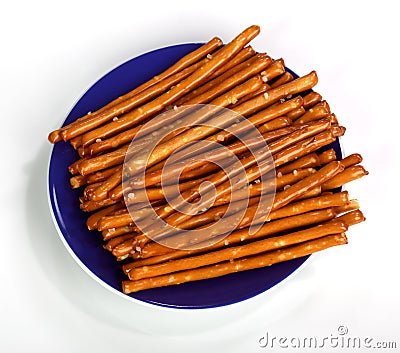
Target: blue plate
<point>86,246</point>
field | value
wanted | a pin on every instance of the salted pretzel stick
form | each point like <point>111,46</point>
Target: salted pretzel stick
<point>274,70</point>
<point>245,54</point>
<point>275,124</point>
<point>89,189</point>
<point>125,248</point>
<point>282,198</point>
<point>279,145</point>
<point>256,119</point>
<point>111,159</point>
<point>308,161</point>
<point>349,174</point>
<point>196,133</point>
<point>267,115</point>
<point>351,206</point>
<point>327,156</point>
<point>292,193</point>
<point>257,189</point>
<point>93,220</point>
<point>351,218</point>
<point>194,80</point>
<point>228,267</point>
<point>237,148</point>
<point>154,253</point>
<point>291,152</point>
<point>220,79</point>
<point>236,252</point>
<point>101,192</point>
<point>77,181</point>
<point>221,101</point>
<point>253,173</point>
<point>296,113</point>
<point>284,78</point>
<point>267,99</point>
<point>112,243</point>
<point>351,160</point>
<point>320,110</point>
<point>90,206</point>
<point>95,120</point>
<point>218,210</point>
<point>337,130</point>
<point>180,65</point>
<point>115,232</point>
<point>240,235</point>
<point>312,204</point>
<point>264,88</point>
<point>311,99</point>
<point>258,64</point>
<point>311,193</point>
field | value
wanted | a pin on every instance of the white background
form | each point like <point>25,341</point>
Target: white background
<point>51,52</point>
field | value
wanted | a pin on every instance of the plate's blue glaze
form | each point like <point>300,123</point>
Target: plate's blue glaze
<point>87,245</point>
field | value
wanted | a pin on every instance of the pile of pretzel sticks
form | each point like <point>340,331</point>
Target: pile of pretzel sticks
<point>307,215</point>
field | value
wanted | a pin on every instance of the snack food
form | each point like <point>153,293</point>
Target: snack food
<point>260,109</point>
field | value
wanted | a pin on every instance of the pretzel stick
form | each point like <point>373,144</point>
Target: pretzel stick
<point>311,99</point>
<point>296,113</point>
<point>297,149</point>
<point>179,90</point>
<point>236,252</point>
<point>308,161</point>
<point>196,133</point>
<point>347,175</point>
<point>112,243</point>
<point>327,156</point>
<point>351,206</point>
<point>228,267</point>
<point>257,103</point>
<point>115,232</point>
<point>264,88</point>
<point>90,206</point>
<point>257,189</point>
<point>282,198</point>
<point>312,204</point>
<point>265,115</point>
<point>294,151</point>
<point>154,253</point>
<point>281,80</point>
<point>220,79</point>
<point>245,54</point>
<point>275,124</point>
<point>279,145</point>
<point>320,110</point>
<point>221,101</point>
<point>180,65</point>
<point>275,69</point>
<point>93,220</point>
<point>111,159</point>
<point>258,64</point>
<point>351,218</point>
<point>257,119</point>
<point>216,212</point>
<point>125,248</point>
<point>236,148</point>
<point>260,102</point>
<point>77,181</point>
<point>351,160</point>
